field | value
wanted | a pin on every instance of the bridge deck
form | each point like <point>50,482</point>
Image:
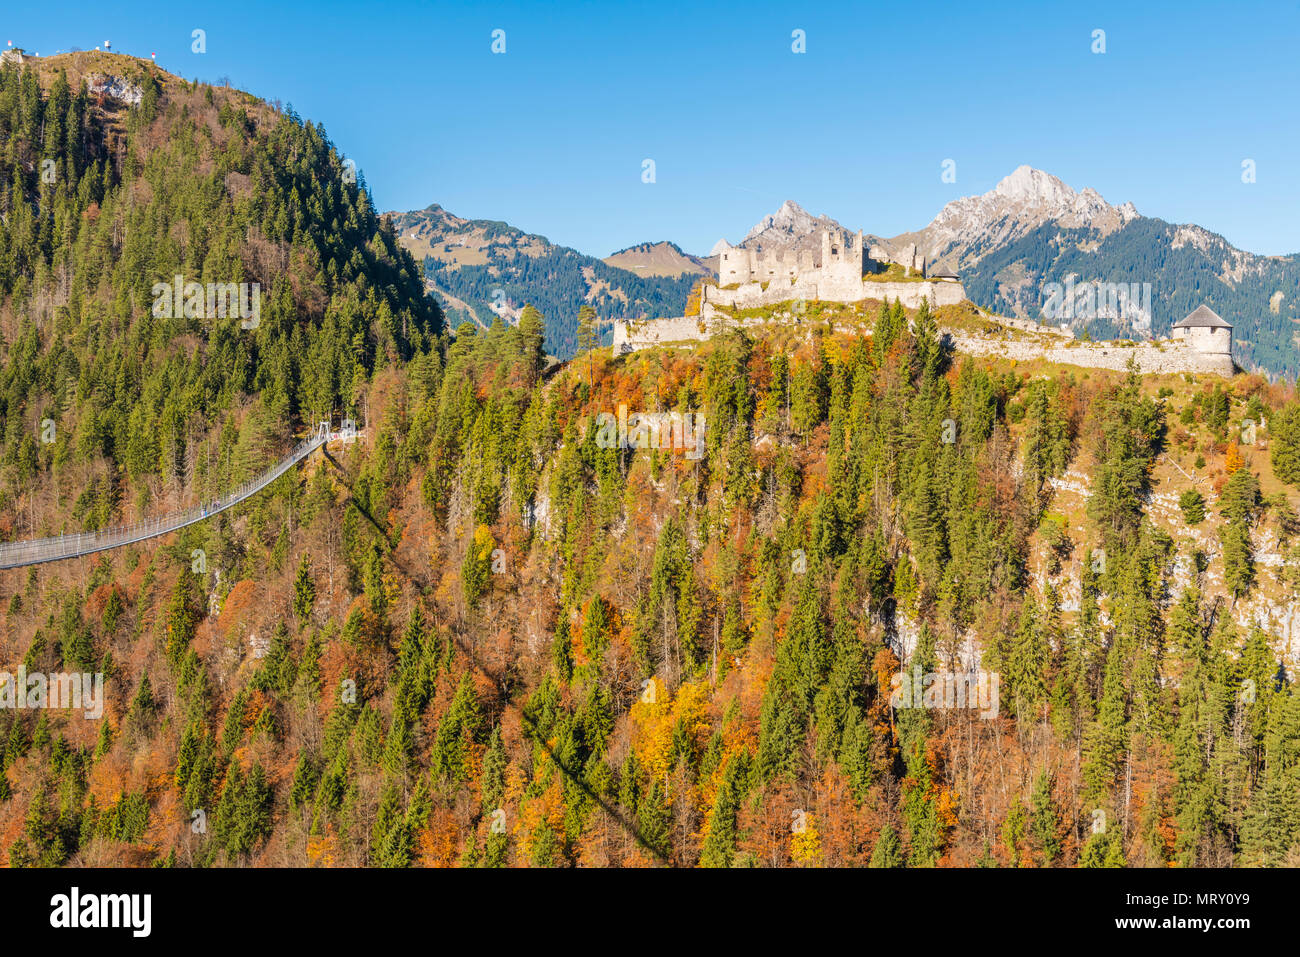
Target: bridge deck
<point>39,550</point>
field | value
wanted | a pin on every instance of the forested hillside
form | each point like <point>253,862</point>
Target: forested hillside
<point>100,203</point>
<point>485,637</point>
<point>481,268</point>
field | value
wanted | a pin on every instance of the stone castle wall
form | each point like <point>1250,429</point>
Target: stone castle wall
<point>648,333</point>
<point>830,286</point>
<point>1168,356</point>
<point>1030,325</point>
<point>1162,356</point>
<point>739,265</point>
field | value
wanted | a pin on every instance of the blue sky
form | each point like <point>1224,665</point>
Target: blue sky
<point>551,135</point>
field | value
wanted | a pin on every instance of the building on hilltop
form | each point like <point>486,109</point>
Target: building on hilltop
<point>841,257</point>
<point>1205,331</point>
<point>839,269</point>
<point>13,55</point>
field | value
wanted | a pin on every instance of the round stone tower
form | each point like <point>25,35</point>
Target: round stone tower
<point>1208,333</point>
<point>1205,331</point>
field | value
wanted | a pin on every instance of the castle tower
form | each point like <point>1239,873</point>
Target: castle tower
<point>1205,331</point>
<point>909,259</point>
<point>728,261</point>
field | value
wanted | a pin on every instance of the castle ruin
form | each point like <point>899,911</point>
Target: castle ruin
<point>843,260</point>
<point>843,270</point>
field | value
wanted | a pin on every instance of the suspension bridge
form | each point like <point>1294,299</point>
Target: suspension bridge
<point>39,550</point>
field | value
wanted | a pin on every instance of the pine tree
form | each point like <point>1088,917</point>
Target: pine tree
<point>494,773</point>
<point>720,844</point>
<point>888,851</point>
<point>654,821</point>
<point>588,338</point>
<point>1103,849</point>
<point>304,590</point>
<point>532,334</point>
<point>1107,738</point>
<point>476,570</point>
<point>1192,504</point>
<point>1284,444</point>
<point>1045,818</point>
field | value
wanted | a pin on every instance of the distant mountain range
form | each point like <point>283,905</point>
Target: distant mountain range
<point>481,269</point>
<point>1009,244</point>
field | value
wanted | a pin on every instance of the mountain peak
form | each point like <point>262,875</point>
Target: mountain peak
<point>791,220</point>
<point>1033,189</point>
<point>1018,204</point>
<point>789,224</point>
<point>662,258</point>
<point>1026,184</point>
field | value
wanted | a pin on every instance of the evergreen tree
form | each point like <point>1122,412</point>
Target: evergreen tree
<point>588,338</point>
<point>532,334</point>
<point>1284,444</point>
<point>888,851</point>
<point>304,590</point>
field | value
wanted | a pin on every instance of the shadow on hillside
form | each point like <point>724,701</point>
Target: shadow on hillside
<point>424,587</point>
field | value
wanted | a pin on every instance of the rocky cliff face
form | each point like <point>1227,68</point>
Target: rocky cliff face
<point>787,225</point>
<point>116,88</point>
<point>1019,204</point>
